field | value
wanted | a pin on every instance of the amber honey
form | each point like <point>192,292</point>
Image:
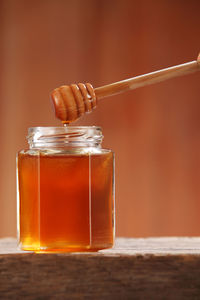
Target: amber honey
<point>66,200</point>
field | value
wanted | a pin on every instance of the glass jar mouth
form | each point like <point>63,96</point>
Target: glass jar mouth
<point>62,128</point>
<point>66,136</point>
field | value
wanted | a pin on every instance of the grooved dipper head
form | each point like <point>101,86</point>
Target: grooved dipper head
<point>72,101</point>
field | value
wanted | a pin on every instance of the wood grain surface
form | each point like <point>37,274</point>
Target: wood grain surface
<point>151,268</point>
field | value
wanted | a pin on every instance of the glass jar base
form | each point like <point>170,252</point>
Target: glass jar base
<point>68,249</point>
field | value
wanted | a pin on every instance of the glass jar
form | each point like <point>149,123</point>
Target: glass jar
<point>65,190</point>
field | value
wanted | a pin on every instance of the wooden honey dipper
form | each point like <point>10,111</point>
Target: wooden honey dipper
<point>73,101</point>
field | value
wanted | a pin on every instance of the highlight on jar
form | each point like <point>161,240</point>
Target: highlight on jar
<point>65,190</point>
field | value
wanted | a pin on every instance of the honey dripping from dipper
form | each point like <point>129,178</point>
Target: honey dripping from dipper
<point>65,178</point>
<point>66,181</point>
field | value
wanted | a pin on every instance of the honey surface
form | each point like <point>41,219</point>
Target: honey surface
<point>65,201</point>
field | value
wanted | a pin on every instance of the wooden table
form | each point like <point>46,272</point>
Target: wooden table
<point>151,268</point>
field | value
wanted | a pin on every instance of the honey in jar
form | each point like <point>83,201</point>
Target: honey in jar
<point>65,190</point>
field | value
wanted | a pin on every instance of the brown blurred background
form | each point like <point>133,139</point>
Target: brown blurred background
<point>154,131</point>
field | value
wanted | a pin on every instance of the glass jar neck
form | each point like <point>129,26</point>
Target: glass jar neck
<point>64,137</point>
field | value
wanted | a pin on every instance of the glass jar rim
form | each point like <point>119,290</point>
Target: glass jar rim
<point>66,136</point>
<point>63,127</point>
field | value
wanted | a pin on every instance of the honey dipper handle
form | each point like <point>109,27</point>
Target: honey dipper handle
<point>147,79</point>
